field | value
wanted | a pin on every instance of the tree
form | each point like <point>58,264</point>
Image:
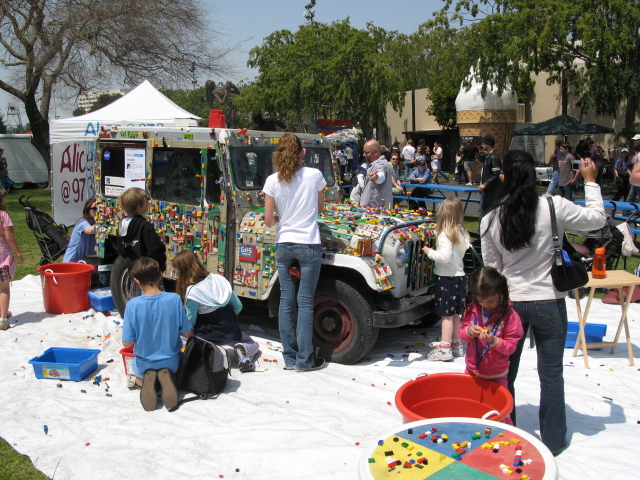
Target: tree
<point>333,68</point>
<point>445,55</point>
<point>88,44</point>
<point>592,48</point>
<point>3,126</point>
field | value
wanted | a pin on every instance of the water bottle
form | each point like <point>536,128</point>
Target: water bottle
<point>599,268</point>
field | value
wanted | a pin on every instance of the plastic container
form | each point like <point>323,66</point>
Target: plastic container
<point>599,267</point>
<point>101,299</point>
<point>127,359</point>
<point>65,363</point>
<point>452,394</point>
<point>593,332</point>
<point>65,286</point>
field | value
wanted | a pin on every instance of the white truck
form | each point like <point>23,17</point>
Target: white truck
<point>206,195</point>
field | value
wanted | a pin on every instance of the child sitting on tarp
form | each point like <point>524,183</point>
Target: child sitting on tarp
<point>153,323</point>
<point>212,307</point>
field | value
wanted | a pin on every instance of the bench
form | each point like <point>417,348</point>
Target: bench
<point>440,188</point>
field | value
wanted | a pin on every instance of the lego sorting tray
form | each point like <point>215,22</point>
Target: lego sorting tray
<point>65,363</point>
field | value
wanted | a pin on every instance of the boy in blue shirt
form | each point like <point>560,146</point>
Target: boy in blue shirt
<point>153,323</point>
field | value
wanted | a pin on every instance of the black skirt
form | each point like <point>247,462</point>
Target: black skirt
<point>450,293</point>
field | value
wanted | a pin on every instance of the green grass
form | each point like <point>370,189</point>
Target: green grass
<point>13,465</point>
<point>41,198</point>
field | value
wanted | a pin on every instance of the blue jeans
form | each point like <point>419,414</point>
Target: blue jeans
<point>407,170</point>
<point>548,321</point>
<point>634,194</point>
<point>566,191</point>
<point>297,341</point>
<point>555,178</point>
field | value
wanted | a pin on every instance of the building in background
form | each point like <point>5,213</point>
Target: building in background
<point>86,101</point>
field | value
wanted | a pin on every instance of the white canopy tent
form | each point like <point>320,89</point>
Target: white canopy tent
<point>144,106</point>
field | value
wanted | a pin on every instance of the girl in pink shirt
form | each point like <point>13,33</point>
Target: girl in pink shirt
<point>489,325</point>
<point>8,248</point>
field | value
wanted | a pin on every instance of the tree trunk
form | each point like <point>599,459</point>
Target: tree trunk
<point>633,105</point>
<point>39,129</point>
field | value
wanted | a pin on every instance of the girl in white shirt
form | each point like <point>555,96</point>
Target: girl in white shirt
<point>451,284</point>
<point>298,194</point>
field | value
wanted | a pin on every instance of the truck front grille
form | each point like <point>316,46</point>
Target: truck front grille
<point>420,267</point>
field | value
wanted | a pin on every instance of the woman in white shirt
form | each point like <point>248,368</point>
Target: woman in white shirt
<point>298,194</point>
<point>517,241</point>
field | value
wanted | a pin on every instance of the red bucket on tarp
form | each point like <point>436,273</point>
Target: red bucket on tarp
<point>65,287</point>
<point>452,395</point>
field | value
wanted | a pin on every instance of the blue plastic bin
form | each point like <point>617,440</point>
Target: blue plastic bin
<point>65,363</point>
<point>101,299</point>
<point>594,333</point>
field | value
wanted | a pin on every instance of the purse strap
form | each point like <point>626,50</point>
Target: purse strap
<point>557,249</point>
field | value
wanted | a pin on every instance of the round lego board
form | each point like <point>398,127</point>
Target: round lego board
<point>458,448</point>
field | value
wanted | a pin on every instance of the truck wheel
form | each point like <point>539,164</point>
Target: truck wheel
<point>120,284</point>
<point>342,322</point>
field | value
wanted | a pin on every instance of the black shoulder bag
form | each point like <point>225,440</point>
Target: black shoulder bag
<point>565,273</point>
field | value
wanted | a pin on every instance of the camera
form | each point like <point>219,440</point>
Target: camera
<point>575,165</point>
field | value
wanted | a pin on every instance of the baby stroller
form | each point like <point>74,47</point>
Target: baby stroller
<point>607,237</point>
<point>52,238</point>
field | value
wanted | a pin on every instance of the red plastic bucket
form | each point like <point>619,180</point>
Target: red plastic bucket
<point>452,395</point>
<point>65,286</point>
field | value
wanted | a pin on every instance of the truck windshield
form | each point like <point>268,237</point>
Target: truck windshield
<point>252,165</point>
<point>174,175</point>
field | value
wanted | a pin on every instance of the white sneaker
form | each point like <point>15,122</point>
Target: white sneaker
<point>457,349</point>
<point>470,183</point>
<point>440,354</point>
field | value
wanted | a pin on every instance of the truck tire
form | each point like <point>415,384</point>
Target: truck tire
<point>343,327</point>
<point>120,284</point>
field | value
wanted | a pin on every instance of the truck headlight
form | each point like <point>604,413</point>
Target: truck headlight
<point>402,254</point>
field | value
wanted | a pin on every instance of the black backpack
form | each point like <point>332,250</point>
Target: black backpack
<point>203,370</point>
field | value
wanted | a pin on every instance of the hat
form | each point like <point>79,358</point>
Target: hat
<point>624,150</point>
<point>489,140</point>
<point>421,163</point>
<point>636,137</point>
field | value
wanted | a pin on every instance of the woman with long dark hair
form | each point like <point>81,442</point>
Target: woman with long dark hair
<point>517,241</point>
<point>83,238</point>
<point>298,194</point>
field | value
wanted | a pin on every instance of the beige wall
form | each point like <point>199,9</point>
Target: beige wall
<point>403,123</point>
<point>545,104</point>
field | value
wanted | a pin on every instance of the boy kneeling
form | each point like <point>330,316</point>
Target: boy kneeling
<point>153,323</point>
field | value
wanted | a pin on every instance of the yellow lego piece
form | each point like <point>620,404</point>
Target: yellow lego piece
<point>464,444</point>
<point>515,440</point>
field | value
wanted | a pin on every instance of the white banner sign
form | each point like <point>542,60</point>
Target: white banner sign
<point>72,165</point>
<point>534,144</point>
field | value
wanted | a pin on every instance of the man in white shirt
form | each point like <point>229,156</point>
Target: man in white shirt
<point>407,154</point>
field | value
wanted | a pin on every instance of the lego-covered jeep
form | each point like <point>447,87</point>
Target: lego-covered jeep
<point>205,187</point>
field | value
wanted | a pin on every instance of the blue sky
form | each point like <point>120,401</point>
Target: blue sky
<point>248,22</point>
<point>259,18</point>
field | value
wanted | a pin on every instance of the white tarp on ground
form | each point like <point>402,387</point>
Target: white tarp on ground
<point>144,106</point>
<point>276,424</point>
